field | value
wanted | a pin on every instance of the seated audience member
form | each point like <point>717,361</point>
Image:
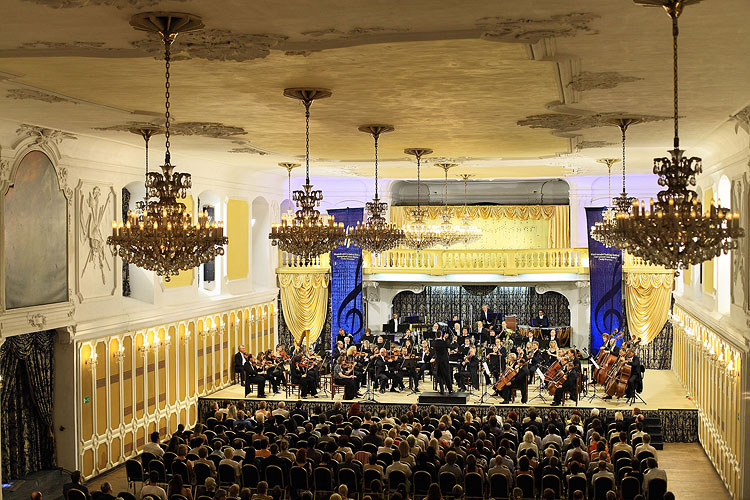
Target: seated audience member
<point>229,460</point>
<point>75,484</point>
<point>653,472</point>
<point>622,445</point>
<point>152,487</point>
<point>105,492</point>
<point>261,492</point>
<point>602,472</point>
<point>153,445</point>
<point>176,487</point>
<point>645,446</point>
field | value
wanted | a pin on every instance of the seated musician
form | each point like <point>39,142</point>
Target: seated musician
<point>463,350</point>
<point>410,367</point>
<point>338,350</point>
<point>456,330</point>
<point>380,342</point>
<point>609,342</point>
<point>300,375</point>
<point>396,370</point>
<point>359,366</point>
<point>483,335</point>
<point>252,376</point>
<point>348,342</point>
<point>381,370</point>
<point>367,337</point>
<point>345,377</point>
<point>519,381</point>
<point>433,332</point>
<point>540,320</point>
<point>553,335</point>
<point>409,335</point>
<point>570,385</point>
<point>469,368</point>
<point>505,332</point>
<point>366,347</point>
<point>553,351</point>
<point>342,335</point>
<point>492,336</point>
<point>266,368</point>
<point>535,358</point>
<point>425,357</point>
<point>409,347</point>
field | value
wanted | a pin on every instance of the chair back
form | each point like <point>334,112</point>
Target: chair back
<point>146,458</point>
<point>202,472</point>
<point>421,483</point>
<point>74,494</point>
<point>250,476</point>
<point>630,488</point>
<point>644,455</point>
<point>298,480</point>
<point>526,483</point>
<point>323,481</point>
<point>275,476</point>
<point>179,468</point>
<point>656,489</point>
<point>636,441</point>
<point>601,486</point>
<point>498,486</point>
<point>395,478</point>
<point>370,476</point>
<point>622,462</point>
<point>447,481</point>
<point>126,495</point>
<point>215,459</point>
<point>553,482</point>
<point>168,459</point>
<point>370,448</point>
<point>226,474</point>
<point>133,470</point>
<point>386,458</point>
<point>621,454</point>
<point>211,422</point>
<point>348,477</point>
<point>177,497</point>
<point>473,485</point>
<point>161,470</point>
<point>621,473</point>
<point>577,483</point>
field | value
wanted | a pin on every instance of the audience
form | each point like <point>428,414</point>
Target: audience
<point>152,488</point>
<point>75,484</point>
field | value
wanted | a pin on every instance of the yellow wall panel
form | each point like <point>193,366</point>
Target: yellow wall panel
<point>708,266</point>
<point>238,230</point>
<point>87,412</point>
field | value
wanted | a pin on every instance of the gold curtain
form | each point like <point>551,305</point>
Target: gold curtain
<point>304,301</point>
<point>647,300</point>
<point>557,215</point>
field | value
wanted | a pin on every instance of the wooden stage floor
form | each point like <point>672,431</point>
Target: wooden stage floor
<point>661,390</point>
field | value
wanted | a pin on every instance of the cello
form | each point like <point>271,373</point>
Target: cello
<point>617,378</point>
<point>510,372</point>
<point>605,360</point>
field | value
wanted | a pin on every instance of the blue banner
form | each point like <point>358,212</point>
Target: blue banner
<point>605,277</point>
<point>346,280</point>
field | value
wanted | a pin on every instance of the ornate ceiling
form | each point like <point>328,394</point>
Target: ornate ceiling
<point>510,89</point>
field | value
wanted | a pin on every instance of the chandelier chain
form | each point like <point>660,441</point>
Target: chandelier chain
<point>307,141</point>
<point>623,159</point>
<point>675,32</point>
<point>376,136</point>
<point>168,39</point>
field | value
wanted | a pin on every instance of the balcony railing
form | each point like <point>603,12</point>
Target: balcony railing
<point>441,262</point>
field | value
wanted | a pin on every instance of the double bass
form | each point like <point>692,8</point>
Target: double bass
<point>605,359</point>
<point>619,374</point>
<point>510,372</point>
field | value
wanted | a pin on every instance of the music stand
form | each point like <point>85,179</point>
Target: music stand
<point>369,395</point>
<point>593,381</point>
<point>483,380</point>
<point>541,387</point>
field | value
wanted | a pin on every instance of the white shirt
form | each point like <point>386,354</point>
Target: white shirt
<point>154,490</point>
<point>153,448</point>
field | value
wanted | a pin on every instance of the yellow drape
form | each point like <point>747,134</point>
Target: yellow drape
<point>647,298</point>
<point>304,301</point>
<point>557,215</point>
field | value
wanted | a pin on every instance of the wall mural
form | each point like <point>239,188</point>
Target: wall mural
<point>96,209</point>
<point>440,303</point>
<point>36,235</point>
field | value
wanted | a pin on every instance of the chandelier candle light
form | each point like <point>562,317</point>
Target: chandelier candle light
<point>309,234</point>
<point>377,235</point>
<point>418,235</point>
<point>160,235</point>
<point>675,231</point>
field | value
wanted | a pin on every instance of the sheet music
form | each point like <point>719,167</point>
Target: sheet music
<point>486,369</point>
<point>540,374</point>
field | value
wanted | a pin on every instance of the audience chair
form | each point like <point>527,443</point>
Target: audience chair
<point>473,486</point>
<point>656,489</point>
<point>644,455</point>
<point>553,482</point>
<point>180,469</point>
<point>74,494</point>
<point>421,481</point>
<point>499,487</point>
<point>250,476</point>
<point>324,482</point>
<point>146,458</point>
<point>630,488</point>
<point>202,472</point>
<point>125,495</point>
<point>621,473</point>
<point>526,483</point>
<point>349,478</point>
<point>275,476</point>
<point>168,459</point>
<point>298,481</point>
<point>577,483</point>
<point>369,476</point>
<point>395,478</point>
<point>134,472</point>
<point>161,470</point>
<point>601,486</point>
<point>447,481</point>
<point>226,475</point>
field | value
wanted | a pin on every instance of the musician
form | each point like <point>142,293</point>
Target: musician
<point>469,369</point>
<point>609,343</point>
<point>408,347</point>
<point>492,335</point>
<point>519,381</point>
<point>314,371</point>
<point>366,347</point>
<point>367,336</point>
<point>634,382</point>
<point>346,378</point>
<point>463,350</point>
<point>540,320</point>
<point>484,314</point>
<point>410,367</point>
<point>339,350</point>
<point>442,364</point>
<point>553,351</point>
<point>535,358</point>
<point>358,362</point>
<point>253,377</point>
<point>266,368</point>
<point>381,370</point>
<point>396,370</point>
<point>570,385</point>
<point>456,329</point>
<point>505,332</point>
<point>300,376</point>
<point>553,335</point>
<point>424,362</point>
<point>240,358</point>
<point>393,323</point>
<point>408,336</point>
<point>495,362</point>
<point>380,343</point>
<point>433,333</point>
<point>342,335</point>
<point>348,342</point>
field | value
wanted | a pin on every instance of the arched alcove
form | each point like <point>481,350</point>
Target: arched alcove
<point>260,222</point>
<point>211,273</point>
<point>138,283</point>
<point>723,265</point>
<point>35,218</point>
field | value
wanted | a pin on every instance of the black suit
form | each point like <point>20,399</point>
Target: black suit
<point>442,364</point>
<point>542,322</point>
<point>634,382</point>
<point>570,386</point>
<point>253,377</point>
<point>239,362</point>
<point>393,325</point>
<point>484,316</point>
<point>341,337</point>
<point>381,375</point>
<point>469,369</point>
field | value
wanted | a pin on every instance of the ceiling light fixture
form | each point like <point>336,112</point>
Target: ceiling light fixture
<point>377,235</point>
<point>161,236</point>
<point>309,234</point>
<point>452,234</point>
<point>289,214</point>
<point>419,235</point>
<point>471,232</point>
<point>675,232</point>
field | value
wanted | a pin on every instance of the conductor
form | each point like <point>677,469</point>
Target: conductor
<point>443,367</point>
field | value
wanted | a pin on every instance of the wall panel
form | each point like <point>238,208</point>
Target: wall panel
<point>135,382</point>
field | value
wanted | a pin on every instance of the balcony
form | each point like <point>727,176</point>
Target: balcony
<point>444,262</point>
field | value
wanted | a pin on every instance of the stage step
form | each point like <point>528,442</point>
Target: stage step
<point>435,398</point>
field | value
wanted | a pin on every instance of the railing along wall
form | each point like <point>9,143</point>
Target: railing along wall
<point>508,262</point>
<point>290,263</point>
<point>136,382</point>
<point>709,368</point>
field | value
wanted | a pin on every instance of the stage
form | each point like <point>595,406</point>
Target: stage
<point>662,392</point>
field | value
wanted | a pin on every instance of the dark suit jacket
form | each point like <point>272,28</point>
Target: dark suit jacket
<point>542,322</point>
<point>484,316</point>
<point>75,486</point>
<point>393,325</point>
<point>238,361</point>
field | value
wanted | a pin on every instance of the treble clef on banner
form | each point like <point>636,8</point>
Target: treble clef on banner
<point>353,316</point>
<point>605,322</point>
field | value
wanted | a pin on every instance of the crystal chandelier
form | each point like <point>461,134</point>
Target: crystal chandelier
<point>675,231</point>
<point>289,214</point>
<point>471,232</point>
<point>147,132</point>
<point>419,235</point>
<point>377,235</point>
<point>309,234</point>
<point>602,231</point>
<point>453,234</point>
<point>160,235</point>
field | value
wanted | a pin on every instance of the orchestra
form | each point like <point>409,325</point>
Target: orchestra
<point>508,359</point>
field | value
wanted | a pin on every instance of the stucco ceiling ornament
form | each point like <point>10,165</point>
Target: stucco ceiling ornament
<point>247,148</point>
<point>42,136</point>
<point>503,29</point>
<point>593,145</point>
<point>207,129</point>
<point>36,95</point>
<point>565,124</point>
<point>120,4</point>
<point>43,44</point>
<point>216,45</point>
<point>336,34</point>
<point>588,80</point>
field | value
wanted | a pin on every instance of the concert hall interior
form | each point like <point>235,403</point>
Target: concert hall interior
<point>333,250</point>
